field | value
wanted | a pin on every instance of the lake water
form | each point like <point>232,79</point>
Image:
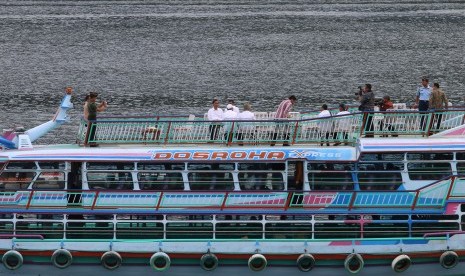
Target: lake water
<point>151,57</point>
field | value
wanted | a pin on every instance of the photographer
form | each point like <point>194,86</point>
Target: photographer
<point>367,104</point>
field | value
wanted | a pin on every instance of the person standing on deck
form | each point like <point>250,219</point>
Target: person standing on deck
<point>86,110</point>
<point>92,109</point>
<point>422,99</point>
<point>325,127</point>
<point>438,101</point>
<point>215,114</point>
<point>283,113</point>
<point>229,115</point>
<point>367,105</point>
<point>235,108</point>
<point>342,125</point>
<point>386,105</point>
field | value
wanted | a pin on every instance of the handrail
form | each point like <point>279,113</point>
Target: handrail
<point>432,196</point>
<point>339,128</point>
<point>3,236</point>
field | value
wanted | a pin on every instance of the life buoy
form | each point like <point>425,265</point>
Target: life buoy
<point>305,262</point>
<point>208,262</point>
<point>160,261</point>
<point>449,259</point>
<point>62,258</point>
<point>401,263</point>
<point>111,260</point>
<point>12,259</point>
<point>257,262</point>
<point>354,263</point>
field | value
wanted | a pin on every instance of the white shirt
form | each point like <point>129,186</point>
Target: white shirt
<point>325,125</point>
<point>343,124</point>
<point>423,93</point>
<point>246,115</point>
<point>215,115</point>
<point>229,115</point>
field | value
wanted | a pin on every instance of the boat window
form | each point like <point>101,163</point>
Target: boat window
<point>110,180</point>
<point>420,228</point>
<point>139,230</point>
<point>6,227</point>
<point>288,217</point>
<point>47,229</point>
<point>460,156</point>
<point>261,176</point>
<point>12,181</point>
<point>385,230</point>
<point>138,217</point>
<point>428,171</point>
<point>185,230</point>
<point>261,166</point>
<point>109,166</point>
<point>87,229</point>
<point>1,165</point>
<point>382,157</point>
<point>160,181</point>
<point>52,165</point>
<point>337,230</point>
<point>429,156</point>
<point>330,176</point>
<point>21,166</point>
<point>189,217</point>
<point>239,230</point>
<point>288,230</point>
<point>380,175</point>
<point>261,181</point>
<point>211,180</point>
<point>50,181</point>
<point>461,168</point>
<point>210,166</point>
<point>141,166</point>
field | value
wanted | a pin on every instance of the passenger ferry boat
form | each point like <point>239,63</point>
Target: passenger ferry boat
<point>188,195</point>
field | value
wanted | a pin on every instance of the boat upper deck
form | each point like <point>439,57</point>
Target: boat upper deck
<point>301,129</point>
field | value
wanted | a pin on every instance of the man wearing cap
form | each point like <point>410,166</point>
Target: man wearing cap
<point>228,115</point>
<point>422,99</point>
<point>235,108</point>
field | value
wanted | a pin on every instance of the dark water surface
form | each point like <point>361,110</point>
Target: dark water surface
<point>150,57</point>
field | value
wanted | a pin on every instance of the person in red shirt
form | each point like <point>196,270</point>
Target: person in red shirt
<point>386,105</point>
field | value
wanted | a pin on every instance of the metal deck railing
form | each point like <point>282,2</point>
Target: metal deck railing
<point>433,196</point>
<point>308,130</point>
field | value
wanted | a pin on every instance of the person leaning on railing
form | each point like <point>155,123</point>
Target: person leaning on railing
<point>437,101</point>
<point>282,113</point>
<point>367,105</point>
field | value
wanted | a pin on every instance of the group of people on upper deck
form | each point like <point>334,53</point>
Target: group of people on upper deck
<point>427,99</point>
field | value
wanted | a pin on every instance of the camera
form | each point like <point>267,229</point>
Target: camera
<point>379,102</point>
<point>360,91</point>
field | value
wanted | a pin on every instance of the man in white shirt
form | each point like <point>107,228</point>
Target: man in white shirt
<point>325,126</point>
<point>215,114</point>
<point>228,115</point>
<point>235,108</point>
<point>342,125</point>
<point>247,130</point>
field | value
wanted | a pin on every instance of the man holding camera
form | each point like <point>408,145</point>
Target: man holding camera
<point>367,104</point>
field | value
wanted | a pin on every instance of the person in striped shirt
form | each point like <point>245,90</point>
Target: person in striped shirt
<point>283,113</point>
